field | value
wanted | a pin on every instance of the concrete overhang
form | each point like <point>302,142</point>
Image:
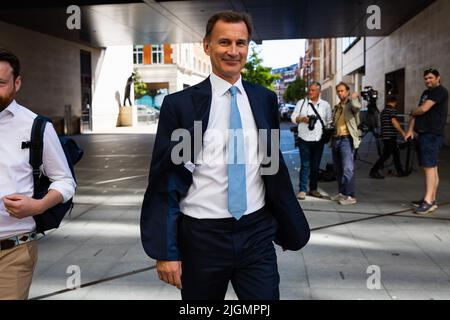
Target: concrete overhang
<point>105,23</point>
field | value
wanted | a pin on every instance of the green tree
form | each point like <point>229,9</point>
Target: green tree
<point>140,87</point>
<point>295,91</point>
<point>255,72</point>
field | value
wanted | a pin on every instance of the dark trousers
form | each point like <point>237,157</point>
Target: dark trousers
<point>217,251</point>
<point>390,148</point>
<point>310,157</point>
<point>344,166</point>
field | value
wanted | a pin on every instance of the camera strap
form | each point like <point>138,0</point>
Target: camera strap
<point>317,114</point>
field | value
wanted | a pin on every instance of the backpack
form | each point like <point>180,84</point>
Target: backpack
<point>51,218</point>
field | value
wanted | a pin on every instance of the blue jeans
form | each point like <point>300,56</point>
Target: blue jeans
<point>310,156</point>
<point>343,162</point>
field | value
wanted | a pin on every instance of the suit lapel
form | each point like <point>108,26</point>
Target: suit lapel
<point>256,106</point>
<point>260,114</point>
<point>201,97</point>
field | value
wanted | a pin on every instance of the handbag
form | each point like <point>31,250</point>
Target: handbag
<point>327,132</point>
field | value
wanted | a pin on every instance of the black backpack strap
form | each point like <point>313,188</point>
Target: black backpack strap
<point>36,150</point>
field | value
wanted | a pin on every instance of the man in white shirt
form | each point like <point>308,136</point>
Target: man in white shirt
<point>214,221</point>
<point>18,248</point>
<point>310,132</point>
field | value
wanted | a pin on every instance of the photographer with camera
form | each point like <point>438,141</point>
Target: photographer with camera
<point>390,127</point>
<point>311,114</point>
<point>345,142</point>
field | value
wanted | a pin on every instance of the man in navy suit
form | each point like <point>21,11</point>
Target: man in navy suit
<point>213,218</point>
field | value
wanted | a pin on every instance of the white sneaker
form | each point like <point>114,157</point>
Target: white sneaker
<point>301,195</point>
<point>338,197</point>
<point>346,201</point>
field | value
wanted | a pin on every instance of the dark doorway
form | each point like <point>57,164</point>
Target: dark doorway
<point>395,86</point>
<point>86,90</point>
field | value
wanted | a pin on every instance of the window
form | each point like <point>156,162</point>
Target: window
<point>138,54</point>
<point>157,54</point>
<point>348,42</point>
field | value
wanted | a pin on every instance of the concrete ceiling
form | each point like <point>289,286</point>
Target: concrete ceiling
<point>105,23</point>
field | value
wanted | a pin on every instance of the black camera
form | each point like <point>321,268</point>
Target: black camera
<point>370,118</point>
<point>369,94</point>
<point>312,122</point>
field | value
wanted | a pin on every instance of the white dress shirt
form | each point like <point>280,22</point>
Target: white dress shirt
<point>303,109</point>
<point>207,197</point>
<point>16,174</point>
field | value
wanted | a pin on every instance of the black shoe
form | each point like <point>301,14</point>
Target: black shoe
<point>376,175</point>
<point>419,203</point>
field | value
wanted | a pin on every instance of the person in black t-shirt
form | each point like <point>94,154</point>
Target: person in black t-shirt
<point>428,121</point>
<point>390,127</point>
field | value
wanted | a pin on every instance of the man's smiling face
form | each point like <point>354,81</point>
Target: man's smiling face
<point>227,49</point>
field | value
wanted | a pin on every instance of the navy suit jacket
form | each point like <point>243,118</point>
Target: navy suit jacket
<point>169,182</point>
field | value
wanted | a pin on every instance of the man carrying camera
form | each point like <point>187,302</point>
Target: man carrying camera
<point>311,114</point>
<point>389,129</point>
<point>428,121</point>
<point>344,143</point>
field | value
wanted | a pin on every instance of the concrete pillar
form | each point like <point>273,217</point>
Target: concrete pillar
<point>113,70</point>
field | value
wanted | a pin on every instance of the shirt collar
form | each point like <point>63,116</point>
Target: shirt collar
<point>221,86</point>
<point>318,101</point>
<point>12,109</point>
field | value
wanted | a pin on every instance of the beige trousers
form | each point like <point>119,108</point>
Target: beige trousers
<point>16,270</point>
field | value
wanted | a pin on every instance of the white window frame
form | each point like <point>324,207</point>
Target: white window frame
<point>138,51</point>
<point>158,50</point>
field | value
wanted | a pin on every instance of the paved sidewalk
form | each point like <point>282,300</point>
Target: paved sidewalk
<point>102,236</point>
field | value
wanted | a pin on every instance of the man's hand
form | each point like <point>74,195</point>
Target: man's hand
<point>301,119</point>
<point>409,135</point>
<point>170,272</point>
<point>20,206</point>
<point>355,95</point>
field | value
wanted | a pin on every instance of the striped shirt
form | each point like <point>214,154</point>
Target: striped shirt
<point>388,130</point>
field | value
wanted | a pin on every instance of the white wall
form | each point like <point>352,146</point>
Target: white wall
<point>159,73</point>
<point>111,74</point>
<point>421,43</point>
<point>354,58</point>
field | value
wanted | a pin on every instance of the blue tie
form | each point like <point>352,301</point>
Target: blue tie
<point>237,191</point>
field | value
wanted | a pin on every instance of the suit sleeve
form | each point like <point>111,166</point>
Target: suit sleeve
<point>293,230</point>
<point>160,208</point>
